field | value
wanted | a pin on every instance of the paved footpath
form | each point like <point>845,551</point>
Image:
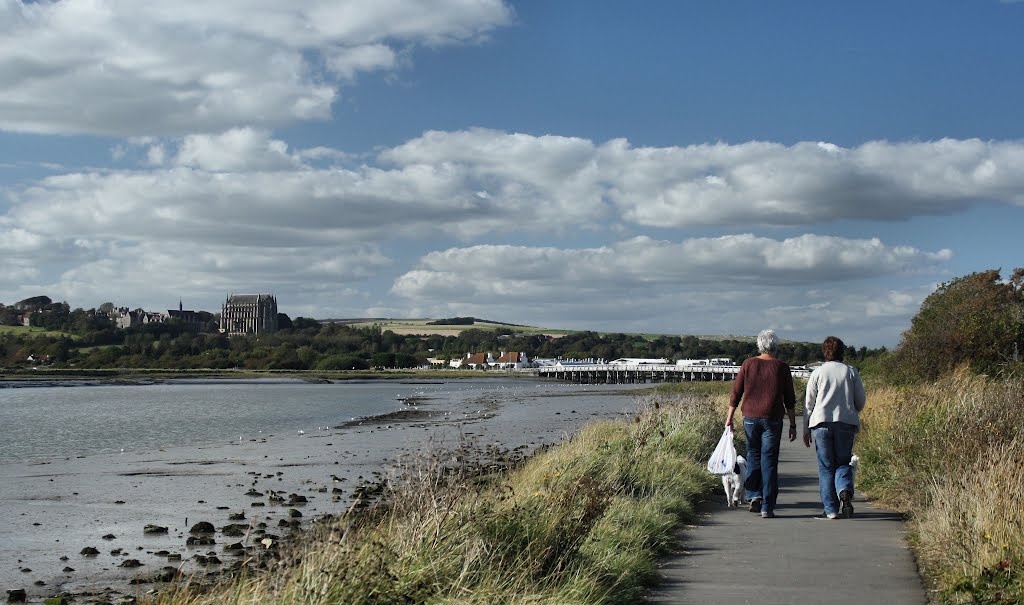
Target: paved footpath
<point>735,556</point>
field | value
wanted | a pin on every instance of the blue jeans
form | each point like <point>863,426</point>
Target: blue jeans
<point>764,437</point>
<point>834,444</point>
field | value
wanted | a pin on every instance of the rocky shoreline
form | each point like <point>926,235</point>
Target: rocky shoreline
<point>256,495</point>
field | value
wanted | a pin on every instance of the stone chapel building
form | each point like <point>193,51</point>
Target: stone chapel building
<point>249,314</point>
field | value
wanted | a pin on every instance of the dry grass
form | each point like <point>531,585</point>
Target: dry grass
<point>950,455</point>
<point>578,523</point>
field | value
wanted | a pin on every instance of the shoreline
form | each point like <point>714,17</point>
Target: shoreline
<point>143,376</point>
<point>112,494</point>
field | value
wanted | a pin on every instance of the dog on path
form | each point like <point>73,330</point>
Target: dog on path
<point>733,483</point>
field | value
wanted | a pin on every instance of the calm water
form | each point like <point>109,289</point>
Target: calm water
<point>42,423</point>
<point>60,422</point>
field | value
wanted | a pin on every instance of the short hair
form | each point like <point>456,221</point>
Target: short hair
<point>767,342</point>
<point>833,349</point>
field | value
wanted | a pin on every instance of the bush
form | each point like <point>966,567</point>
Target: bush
<point>342,362</point>
<point>975,319</point>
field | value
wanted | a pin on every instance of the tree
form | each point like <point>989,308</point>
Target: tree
<point>976,319</point>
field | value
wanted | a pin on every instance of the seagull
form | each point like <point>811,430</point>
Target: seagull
<point>302,432</point>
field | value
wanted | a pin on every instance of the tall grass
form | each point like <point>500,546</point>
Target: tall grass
<point>578,523</point>
<point>950,455</point>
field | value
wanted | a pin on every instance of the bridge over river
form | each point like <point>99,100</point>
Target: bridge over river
<point>614,373</point>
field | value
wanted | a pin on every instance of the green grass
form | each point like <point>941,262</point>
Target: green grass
<point>580,523</point>
<point>33,331</point>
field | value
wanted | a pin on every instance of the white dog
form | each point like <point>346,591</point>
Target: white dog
<point>733,483</point>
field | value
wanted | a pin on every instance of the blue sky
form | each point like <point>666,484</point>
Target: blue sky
<point>670,167</point>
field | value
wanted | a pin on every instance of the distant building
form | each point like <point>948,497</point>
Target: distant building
<point>714,361</point>
<point>249,314</point>
<point>511,361</point>
<point>473,361</point>
<point>125,318</point>
<point>637,361</point>
<point>189,319</point>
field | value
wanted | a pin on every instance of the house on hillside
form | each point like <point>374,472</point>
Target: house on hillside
<point>125,318</point>
<point>511,361</point>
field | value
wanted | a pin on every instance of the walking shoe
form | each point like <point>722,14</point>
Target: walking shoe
<point>845,504</point>
<point>755,505</point>
<point>767,514</point>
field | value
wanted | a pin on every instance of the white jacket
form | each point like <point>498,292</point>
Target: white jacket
<point>835,393</point>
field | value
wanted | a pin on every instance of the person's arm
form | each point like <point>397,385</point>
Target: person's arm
<point>810,397</point>
<point>734,398</point>
<point>789,400</point>
<point>859,396</point>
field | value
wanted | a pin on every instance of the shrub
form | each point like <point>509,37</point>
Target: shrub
<point>975,319</point>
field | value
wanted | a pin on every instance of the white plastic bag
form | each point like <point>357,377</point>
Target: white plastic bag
<point>723,460</point>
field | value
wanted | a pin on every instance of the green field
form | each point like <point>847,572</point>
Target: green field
<point>24,330</point>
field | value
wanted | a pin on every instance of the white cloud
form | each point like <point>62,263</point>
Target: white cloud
<point>472,184</point>
<point>503,274</point>
<point>748,184</point>
<point>346,62</point>
<point>117,67</point>
<point>237,150</point>
<point>156,155</point>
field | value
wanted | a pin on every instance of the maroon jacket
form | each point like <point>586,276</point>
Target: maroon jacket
<point>766,388</point>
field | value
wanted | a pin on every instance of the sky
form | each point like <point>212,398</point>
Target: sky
<point>706,168</point>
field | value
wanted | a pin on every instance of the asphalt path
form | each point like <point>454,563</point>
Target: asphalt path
<point>733,556</point>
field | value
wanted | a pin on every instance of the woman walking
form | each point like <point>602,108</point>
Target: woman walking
<point>832,406</point>
<point>765,386</point>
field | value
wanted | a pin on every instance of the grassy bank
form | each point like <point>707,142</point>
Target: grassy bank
<point>581,523</point>
<point>951,455</point>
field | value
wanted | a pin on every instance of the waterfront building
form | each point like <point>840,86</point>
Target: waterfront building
<point>249,314</point>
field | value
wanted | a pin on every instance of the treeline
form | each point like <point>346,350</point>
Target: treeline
<point>90,340</point>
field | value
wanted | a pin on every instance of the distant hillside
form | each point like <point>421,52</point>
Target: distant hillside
<point>445,326</point>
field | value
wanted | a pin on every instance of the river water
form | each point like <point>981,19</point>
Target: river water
<point>78,463</point>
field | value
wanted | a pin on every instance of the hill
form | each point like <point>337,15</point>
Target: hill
<point>428,327</point>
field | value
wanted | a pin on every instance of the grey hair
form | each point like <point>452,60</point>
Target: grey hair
<point>767,342</point>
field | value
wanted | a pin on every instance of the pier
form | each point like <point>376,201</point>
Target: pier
<point>610,373</point>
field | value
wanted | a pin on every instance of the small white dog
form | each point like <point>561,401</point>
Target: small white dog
<point>733,483</point>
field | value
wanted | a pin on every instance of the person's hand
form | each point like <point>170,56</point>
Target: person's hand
<point>728,422</point>
<point>792,432</point>
<point>807,438</point>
